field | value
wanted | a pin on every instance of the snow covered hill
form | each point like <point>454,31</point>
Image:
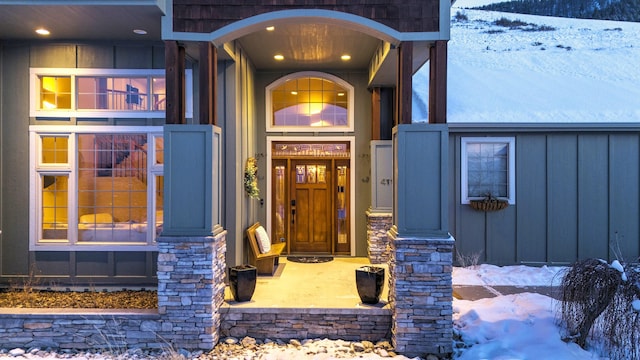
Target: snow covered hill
<point>576,71</point>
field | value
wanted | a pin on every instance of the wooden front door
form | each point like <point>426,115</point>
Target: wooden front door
<point>310,198</point>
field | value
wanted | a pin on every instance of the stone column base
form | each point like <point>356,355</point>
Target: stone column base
<point>378,223</point>
<point>420,294</point>
<point>191,272</point>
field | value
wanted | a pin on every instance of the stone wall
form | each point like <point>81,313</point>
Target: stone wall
<point>191,272</point>
<point>286,324</point>
<point>420,293</point>
<point>80,329</point>
<point>377,240</point>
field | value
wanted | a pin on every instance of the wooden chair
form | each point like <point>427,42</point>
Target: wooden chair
<point>265,263</point>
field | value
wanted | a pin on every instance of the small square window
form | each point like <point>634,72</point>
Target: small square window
<point>488,168</point>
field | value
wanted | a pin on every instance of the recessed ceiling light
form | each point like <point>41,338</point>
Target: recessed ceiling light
<point>340,94</point>
<point>271,28</point>
<point>294,93</point>
<point>140,31</point>
<point>345,57</point>
<point>42,31</point>
<point>279,57</point>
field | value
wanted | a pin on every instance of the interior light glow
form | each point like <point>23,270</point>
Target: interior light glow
<point>42,31</point>
<point>279,57</point>
<point>345,57</point>
<point>48,105</point>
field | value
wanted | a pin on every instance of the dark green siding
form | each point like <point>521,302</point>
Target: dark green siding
<point>59,267</point>
<point>577,196</point>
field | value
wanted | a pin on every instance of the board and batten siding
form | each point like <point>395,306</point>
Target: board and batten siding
<point>58,267</point>
<point>577,196</point>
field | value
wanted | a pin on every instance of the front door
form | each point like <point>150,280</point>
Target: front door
<point>310,197</point>
<point>311,203</point>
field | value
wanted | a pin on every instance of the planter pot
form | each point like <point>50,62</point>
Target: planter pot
<point>242,281</point>
<point>488,205</point>
<point>369,281</point>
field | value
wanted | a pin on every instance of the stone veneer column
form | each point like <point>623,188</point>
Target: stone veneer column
<point>191,272</point>
<point>377,240</point>
<point>420,294</point>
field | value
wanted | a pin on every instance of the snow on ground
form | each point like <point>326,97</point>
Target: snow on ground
<point>583,71</point>
<point>521,326</point>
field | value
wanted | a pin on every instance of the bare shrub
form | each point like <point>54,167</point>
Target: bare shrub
<point>468,260</point>
<point>597,297</point>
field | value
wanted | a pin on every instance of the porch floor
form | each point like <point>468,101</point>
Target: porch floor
<point>329,285</point>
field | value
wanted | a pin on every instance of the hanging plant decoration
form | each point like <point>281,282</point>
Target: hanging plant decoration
<point>489,203</point>
<point>250,178</point>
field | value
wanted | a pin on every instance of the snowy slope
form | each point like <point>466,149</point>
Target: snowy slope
<point>583,71</point>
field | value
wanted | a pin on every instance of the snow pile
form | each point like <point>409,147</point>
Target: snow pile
<point>521,275</point>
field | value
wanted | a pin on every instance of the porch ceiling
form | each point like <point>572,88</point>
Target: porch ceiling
<point>80,20</point>
<point>309,47</point>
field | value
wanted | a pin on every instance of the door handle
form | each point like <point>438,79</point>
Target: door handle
<point>293,216</point>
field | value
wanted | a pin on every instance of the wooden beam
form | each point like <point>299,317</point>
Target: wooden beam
<point>174,56</point>
<point>404,83</point>
<point>208,83</point>
<point>438,83</point>
<point>375,113</point>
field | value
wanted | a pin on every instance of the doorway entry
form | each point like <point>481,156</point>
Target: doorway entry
<point>310,198</point>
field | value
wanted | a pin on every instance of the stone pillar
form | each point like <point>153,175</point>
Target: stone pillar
<point>420,295</point>
<point>377,240</point>
<point>191,273</point>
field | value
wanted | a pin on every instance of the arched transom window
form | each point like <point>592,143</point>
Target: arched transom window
<point>309,101</point>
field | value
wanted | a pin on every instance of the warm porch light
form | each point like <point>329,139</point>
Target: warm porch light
<point>42,31</point>
<point>271,28</point>
<point>279,57</point>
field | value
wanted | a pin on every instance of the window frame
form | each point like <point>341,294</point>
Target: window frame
<point>38,169</point>
<point>74,73</point>
<point>270,127</point>
<point>511,166</point>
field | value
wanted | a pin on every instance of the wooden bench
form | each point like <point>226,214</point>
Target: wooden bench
<point>265,263</point>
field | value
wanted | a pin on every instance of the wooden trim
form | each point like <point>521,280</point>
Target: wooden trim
<point>404,83</point>
<point>208,83</point>
<point>438,83</point>
<point>175,66</point>
<point>375,114</point>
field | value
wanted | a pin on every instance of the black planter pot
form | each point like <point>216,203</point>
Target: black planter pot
<point>242,281</point>
<point>370,281</point>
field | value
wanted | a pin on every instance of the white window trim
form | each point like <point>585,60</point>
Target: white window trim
<point>464,180</point>
<point>306,129</point>
<point>36,169</point>
<point>34,73</point>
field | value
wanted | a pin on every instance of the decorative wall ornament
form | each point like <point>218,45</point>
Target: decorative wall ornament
<point>250,178</point>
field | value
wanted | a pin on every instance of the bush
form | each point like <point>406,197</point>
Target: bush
<point>598,296</point>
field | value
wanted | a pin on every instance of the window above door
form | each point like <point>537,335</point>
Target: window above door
<point>309,101</point>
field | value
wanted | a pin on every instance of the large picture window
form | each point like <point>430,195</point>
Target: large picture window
<point>488,168</point>
<point>101,93</point>
<point>96,188</point>
<point>309,101</point>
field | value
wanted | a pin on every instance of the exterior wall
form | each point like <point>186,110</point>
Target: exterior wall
<point>406,16</point>
<point>64,267</point>
<point>577,196</point>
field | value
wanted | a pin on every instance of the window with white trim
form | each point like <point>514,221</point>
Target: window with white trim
<point>309,101</point>
<point>488,168</point>
<point>96,187</point>
<point>110,93</point>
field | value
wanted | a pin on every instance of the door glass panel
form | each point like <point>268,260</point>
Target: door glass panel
<point>341,205</point>
<point>301,173</point>
<point>280,203</point>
